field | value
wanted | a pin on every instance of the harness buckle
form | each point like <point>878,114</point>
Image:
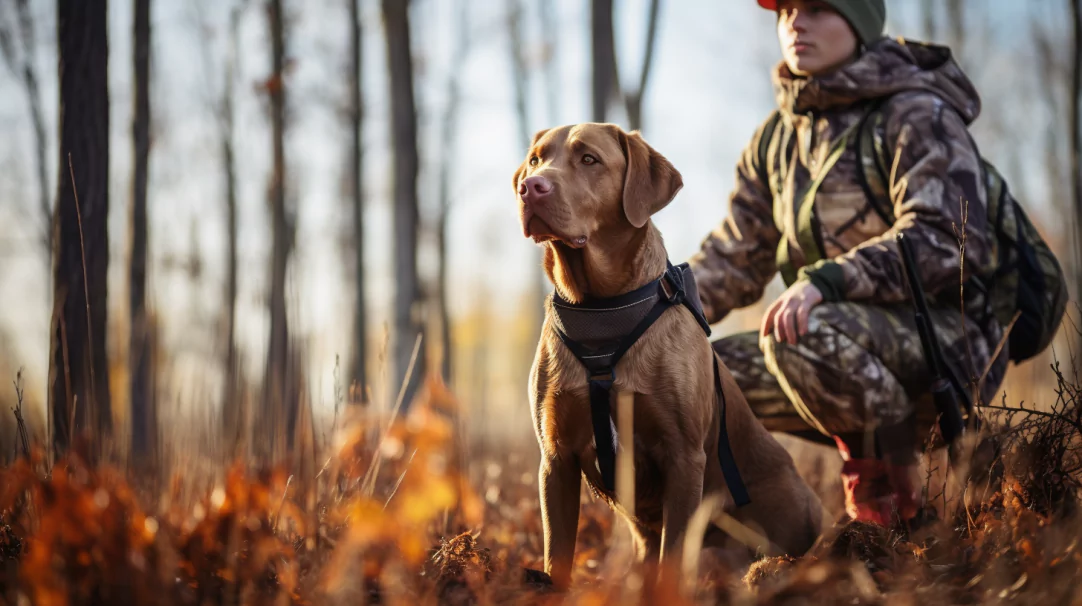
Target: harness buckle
<point>675,280</point>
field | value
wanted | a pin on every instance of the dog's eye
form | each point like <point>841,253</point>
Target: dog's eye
<point>588,160</point>
<point>534,160</point>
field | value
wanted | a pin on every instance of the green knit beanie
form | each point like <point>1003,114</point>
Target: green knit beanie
<point>866,17</point>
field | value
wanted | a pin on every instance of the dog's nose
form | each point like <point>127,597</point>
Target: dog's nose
<point>535,189</point>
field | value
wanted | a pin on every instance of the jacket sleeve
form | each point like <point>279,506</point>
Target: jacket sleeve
<point>937,190</point>
<point>737,259</point>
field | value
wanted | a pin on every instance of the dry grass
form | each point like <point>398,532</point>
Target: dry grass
<point>396,516</point>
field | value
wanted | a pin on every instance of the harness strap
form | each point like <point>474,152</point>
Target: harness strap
<point>725,451</point>
<point>604,432</point>
<point>601,380</point>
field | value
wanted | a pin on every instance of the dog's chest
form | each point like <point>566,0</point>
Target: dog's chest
<point>601,332</point>
<point>567,427</point>
<point>647,479</point>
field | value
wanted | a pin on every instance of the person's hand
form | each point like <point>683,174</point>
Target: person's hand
<point>787,317</point>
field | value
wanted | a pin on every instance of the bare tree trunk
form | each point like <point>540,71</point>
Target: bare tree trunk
<point>927,8</point>
<point>22,65</point>
<point>519,75</point>
<point>633,99</point>
<point>356,113</point>
<point>408,314</point>
<point>233,417</point>
<point>552,97</point>
<point>33,98</point>
<point>552,60</point>
<point>603,43</point>
<point>143,418</point>
<point>1075,105</point>
<point>281,399</point>
<point>448,137</point>
<point>78,368</point>
<point>1054,75</point>
<point>446,344</point>
<point>956,25</point>
<point>520,80</point>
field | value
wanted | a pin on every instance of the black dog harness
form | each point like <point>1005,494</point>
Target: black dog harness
<point>600,331</point>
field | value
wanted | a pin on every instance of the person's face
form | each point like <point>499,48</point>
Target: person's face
<point>815,39</point>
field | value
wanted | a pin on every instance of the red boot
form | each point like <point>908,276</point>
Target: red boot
<point>877,491</point>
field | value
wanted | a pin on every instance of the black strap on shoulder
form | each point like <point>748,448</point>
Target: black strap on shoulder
<point>683,293</point>
<point>766,137</point>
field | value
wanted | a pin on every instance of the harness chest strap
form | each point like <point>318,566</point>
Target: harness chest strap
<point>597,333</point>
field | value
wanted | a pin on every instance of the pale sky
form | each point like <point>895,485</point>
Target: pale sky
<point>709,89</point>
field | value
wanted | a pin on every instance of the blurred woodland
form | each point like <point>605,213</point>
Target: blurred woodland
<point>224,222</point>
<point>231,228</point>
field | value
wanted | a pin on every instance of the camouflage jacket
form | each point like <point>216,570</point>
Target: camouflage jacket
<point>846,249</point>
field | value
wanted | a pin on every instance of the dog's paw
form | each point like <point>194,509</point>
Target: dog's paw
<point>769,572</point>
<point>537,580</point>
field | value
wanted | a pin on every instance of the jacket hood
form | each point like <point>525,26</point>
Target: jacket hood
<point>887,67</point>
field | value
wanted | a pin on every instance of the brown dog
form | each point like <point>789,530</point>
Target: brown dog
<point>587,192</point>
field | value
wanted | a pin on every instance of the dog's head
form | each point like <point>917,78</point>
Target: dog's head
<point>585,180</point>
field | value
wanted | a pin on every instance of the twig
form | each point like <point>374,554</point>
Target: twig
<point>1070,346</point>
<point>1039,413</point>
<point>369,482</point>
<point>326,464</point>
<point>929,445</point>
<point>711,510</point>
<point>625,457</point>
<point>337,392</point>
<point>960,234</point>
<point>970,523</point>
<point>24,436</point>
<point>86,285</point>
<point>67,376</point>
<point>71,419</point>
<point>285,491</point>
<point>406,379</point>
<point>999,349</point>
<point>400,478</point>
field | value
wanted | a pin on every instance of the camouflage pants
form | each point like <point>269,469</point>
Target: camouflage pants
<point>859,367</point>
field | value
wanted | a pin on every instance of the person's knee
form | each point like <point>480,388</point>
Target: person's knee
<point>837,385</point>
<point>797,370</point>
<point>820,340</point>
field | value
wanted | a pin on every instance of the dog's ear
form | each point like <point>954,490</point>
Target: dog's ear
<point>651,181</point>
<point>525,163</point>
<point>537,136</point>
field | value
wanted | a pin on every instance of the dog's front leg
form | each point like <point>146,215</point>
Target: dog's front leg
<point>559,480</point>
<point>683,494</point>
